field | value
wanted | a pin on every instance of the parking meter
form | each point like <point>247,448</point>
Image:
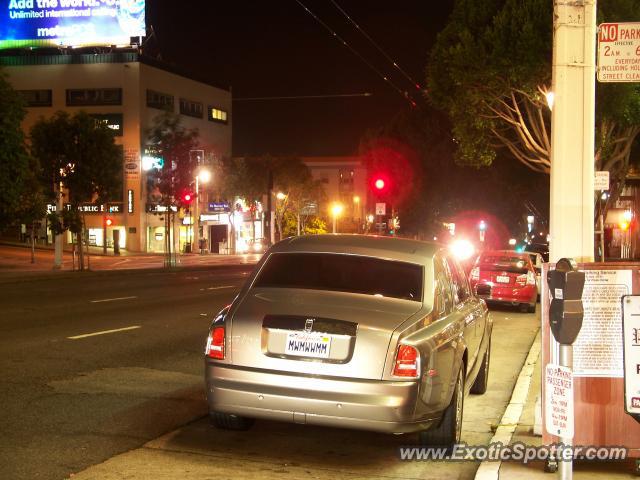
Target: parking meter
<point>566,311</point>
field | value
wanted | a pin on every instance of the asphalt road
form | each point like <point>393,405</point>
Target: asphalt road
<point>301,452</point>
<point>130,403</point>
<point>71,398</point>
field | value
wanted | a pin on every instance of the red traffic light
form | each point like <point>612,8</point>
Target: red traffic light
<point>108,221</point>
<point>379,184</point>
<point>187,197</point>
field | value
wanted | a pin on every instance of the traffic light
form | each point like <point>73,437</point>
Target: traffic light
<point>380,184</point>
<point>108,221</point>
<point>187,198</point>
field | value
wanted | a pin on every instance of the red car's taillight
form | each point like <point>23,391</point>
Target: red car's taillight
<point>407,362</point>
<point>475,274</point>
<point>215,343</point>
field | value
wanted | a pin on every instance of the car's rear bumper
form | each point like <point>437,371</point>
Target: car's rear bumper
<point>507,295</point>
<point>383,406</point>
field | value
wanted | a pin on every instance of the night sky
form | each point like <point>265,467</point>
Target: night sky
<point>276,48</point>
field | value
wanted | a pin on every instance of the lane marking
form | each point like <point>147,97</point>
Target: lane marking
<point>113,299</point>
<point>223,286</point>
<point>490,470</point>
<point>104,332</point>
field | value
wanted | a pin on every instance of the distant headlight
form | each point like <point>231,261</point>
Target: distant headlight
<point>462,249</point>
<point>257,247</point>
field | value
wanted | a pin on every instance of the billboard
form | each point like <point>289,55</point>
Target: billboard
<point>43,23</point>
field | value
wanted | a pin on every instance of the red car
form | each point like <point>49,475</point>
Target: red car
<point>505,277</point>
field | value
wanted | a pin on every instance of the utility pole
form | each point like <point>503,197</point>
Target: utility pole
<point>572,133</point>
<point>57,253</point>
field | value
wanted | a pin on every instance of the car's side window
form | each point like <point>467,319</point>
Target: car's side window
<point>461,288</point>
<point>443,296</point>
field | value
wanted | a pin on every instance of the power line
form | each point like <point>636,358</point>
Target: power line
<point>297,97</point>
<point>404,94</point>
<point>393,62</point>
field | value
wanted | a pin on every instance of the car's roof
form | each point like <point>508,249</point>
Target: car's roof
<point>394,248</point>
<point>511,253</point>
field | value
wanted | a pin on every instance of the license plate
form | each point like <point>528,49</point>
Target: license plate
<point>502,279</point>
<point>308,345</point>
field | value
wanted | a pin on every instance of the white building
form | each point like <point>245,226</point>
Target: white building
<point>128,90</point>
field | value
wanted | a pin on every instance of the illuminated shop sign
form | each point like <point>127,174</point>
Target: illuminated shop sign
<point>156,208</point>
<point>42,23</point>
<point>92,208</point>
<point>219,207</point>
<point>111,120</point>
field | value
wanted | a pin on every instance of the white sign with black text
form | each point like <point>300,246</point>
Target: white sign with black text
<point>631,350</point>
<point>558,405</point>
<point>381,208</point>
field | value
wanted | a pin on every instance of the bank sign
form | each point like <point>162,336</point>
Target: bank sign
<point>41,23</point>
<point>619,52</point>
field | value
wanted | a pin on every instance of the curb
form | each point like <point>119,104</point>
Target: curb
<point>490,470</point>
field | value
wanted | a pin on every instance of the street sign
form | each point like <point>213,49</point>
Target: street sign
<point>619,52</point>
<point>601,180</point>
<point>381,208</point>
<point>631,352</point>
<point>558,405</point>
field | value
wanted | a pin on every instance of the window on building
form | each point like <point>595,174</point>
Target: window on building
<point>94,96</point>
<point>161,101</point>
<point>217,115</point>
<point>37,98</point>
<point>190,108</point>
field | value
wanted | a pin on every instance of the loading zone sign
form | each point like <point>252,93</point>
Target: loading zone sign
<point>558,404</point>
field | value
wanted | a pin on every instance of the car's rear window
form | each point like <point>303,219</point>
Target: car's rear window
<point>342,273</point>
<point>509,263</point>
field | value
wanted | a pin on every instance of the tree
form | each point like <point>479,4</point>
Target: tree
<point>417,150</point>
<point>33,202</point>
<point>248,178</point>
<point>490,70</point>
<point>14,159</point>
<point>170,183</point>
<point>77,154</point>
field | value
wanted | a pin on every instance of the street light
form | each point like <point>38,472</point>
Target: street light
<point>336,210</point>
<point>203,176</point>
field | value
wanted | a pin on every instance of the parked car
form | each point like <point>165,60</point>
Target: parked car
<point>505,277</point>
<point>363,332</point>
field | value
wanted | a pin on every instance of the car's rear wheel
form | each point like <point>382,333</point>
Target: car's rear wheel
<point>482,380</point>
<point>532,308</point>
<point>448,432</point>
<point>227,421</point>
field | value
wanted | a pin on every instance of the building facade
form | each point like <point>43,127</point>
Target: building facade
<point>344,180</point>
<point>127,90</point>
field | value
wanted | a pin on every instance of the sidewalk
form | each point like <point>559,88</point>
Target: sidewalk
<point>15,260</point>
<point>535,470</point>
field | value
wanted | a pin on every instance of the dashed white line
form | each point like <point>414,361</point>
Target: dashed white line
<point>113,299</point>
<point>104,332</point>
<point>218,288</point>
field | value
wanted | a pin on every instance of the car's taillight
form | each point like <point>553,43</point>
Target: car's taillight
<point>521,279</point>
<point>407,362</point>
<point>475,273</point>
<point>215,343</point>
<point>531,278</point>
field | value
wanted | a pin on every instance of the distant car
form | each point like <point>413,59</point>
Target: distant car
<point>505,277</point>
<point>353,331</point>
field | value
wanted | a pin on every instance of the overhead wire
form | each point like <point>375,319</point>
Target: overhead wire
<point>404,94</point>
<point>378,47</point>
